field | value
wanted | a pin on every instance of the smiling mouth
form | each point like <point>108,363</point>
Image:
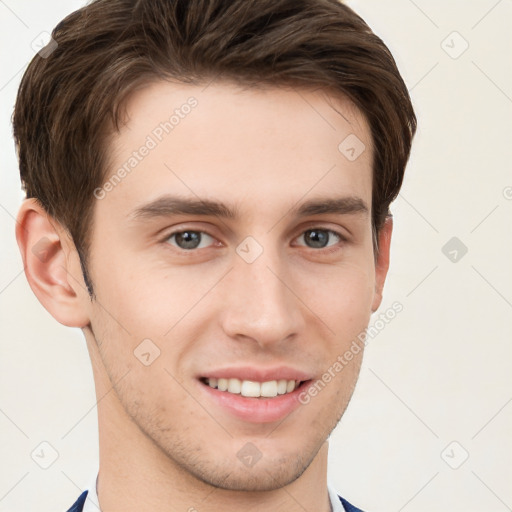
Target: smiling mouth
<point>253,389</point>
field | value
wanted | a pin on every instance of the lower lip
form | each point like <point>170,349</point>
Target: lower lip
<point>256,410</point>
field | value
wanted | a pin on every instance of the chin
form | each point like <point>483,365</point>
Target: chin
<point>262,477</point>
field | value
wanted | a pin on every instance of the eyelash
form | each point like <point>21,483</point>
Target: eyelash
<point>327,249</point>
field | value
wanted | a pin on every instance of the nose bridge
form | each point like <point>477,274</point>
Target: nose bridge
<point>260,305</point>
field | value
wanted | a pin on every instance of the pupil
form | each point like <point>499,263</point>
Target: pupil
<point>317,238</point>
<point>188,239</point>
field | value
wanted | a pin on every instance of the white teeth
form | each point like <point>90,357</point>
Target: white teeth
<point>269,389</point>
<point>234,386</point>
<point>250,388</point>
<point>281,387</point>
<point>253,389</point>
<point>222,384</point>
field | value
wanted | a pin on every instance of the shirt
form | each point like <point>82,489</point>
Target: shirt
<point>92,504</point>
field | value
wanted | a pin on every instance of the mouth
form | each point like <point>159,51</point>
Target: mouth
<point>251,388</point>
<point>259,400</point>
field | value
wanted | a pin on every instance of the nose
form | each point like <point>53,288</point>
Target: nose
<point>259,303</point>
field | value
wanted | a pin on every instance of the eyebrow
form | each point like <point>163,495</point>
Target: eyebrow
<point>167,206</point>
<point>340,206</point>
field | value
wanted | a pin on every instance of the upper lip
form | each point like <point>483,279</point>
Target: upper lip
<point>255,374</point>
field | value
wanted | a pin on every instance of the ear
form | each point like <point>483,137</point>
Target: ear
<point>382,261</point>
<point>52,265</point>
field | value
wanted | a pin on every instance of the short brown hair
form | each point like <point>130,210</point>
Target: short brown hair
<point>70,101</point>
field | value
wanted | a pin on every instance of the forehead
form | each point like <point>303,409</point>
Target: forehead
<point>238,146</point>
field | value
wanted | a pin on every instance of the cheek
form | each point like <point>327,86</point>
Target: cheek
<point>341,296</point>
<point>151,311</point>
<point>146,299</point>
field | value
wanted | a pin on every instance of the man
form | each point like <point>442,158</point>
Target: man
<point>208,185</point>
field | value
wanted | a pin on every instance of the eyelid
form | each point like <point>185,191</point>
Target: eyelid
<point>216,242</point>
<point>341,237</point>
<point>338,230</point>
<point>185,226</point>
<point>182,228</point>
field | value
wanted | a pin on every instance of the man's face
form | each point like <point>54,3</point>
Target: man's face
<point>265,288</point>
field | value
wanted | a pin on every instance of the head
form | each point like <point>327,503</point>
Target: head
<point>208,188</point>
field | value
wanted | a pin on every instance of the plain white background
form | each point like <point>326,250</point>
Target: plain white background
<point>429,425</point>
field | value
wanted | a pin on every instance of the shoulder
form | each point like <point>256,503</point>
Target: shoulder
<point>79,503</point>
<point>348,507</point>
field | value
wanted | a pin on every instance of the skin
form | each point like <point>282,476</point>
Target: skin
<point>163,445</point>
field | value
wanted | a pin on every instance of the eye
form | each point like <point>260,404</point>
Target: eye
<point>189,240</point>
<point>318,238</point>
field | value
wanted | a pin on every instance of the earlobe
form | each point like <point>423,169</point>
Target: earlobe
<point>382,261</point>
<point>49,260</point>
